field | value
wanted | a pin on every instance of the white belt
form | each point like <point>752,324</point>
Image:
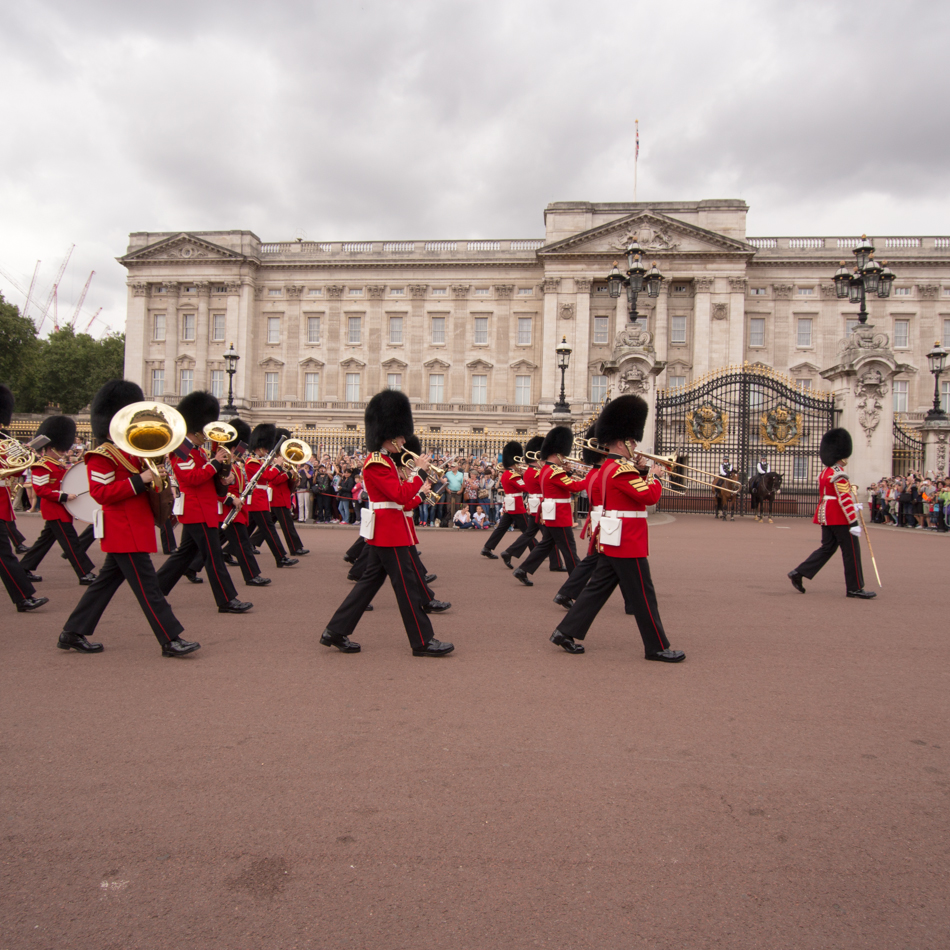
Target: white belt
<point>560,501</point>
<point>829,497</point>
<point>625,514</point>
<point>376,505</point>
<point>533,496</point>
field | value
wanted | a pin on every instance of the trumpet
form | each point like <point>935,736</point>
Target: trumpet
<point>221,432</point>
<point>149,431</point>
<point>15,457</point>
<point>438,472</point>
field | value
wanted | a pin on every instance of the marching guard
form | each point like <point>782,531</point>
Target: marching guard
<point>515,513</point>
<point>263,439</point>
<point>622,537</point>
<point>527,539</point>
<point>837,513</point>
<point>283,490</point>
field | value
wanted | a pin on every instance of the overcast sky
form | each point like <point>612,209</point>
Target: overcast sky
<point>424,119</point>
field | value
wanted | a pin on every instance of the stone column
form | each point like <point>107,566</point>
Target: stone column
<point>373,347</point>
<point>550,374</point>
<point>137,336</point>
<point>202,336</point>
<point>661,323</point>
<point>702,315</point>
<point>240,324</point>
<point>504,386</point>
<point>290,343</point>
<point>334,383</point>
<point>458,388</point>
<point>577,388</point>
<point>172,340</point>
<point>737,286</point>
<point>929,331</point>
<point>936,436</point>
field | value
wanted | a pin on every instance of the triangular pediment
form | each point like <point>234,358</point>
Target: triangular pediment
<point>657,234</point>
<point>805,367</point>
<point>271,361</point>
<point>479,364</point>
<point>180,247</point>
<point>352,363</point>
<point>310,362</point>
<point>523,365</point>
<point>393,364</point>
<point>437,364</point>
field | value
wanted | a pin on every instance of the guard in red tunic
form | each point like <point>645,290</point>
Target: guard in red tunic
<point>837,514</point>
<point>388,426</point>
<point>622,537</point>
<point>557,515</point>
<point>18,585</point>
<point>118,482</point>
<point>47,481</point>
<point>515,512</point>
<point>532,515</point>
<point>281,510</point>
<point>263,439</point>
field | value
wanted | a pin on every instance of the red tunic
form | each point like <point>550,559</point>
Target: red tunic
<point>47,482</point>
<point>115,482</point>
<point>625,490</point>
<point>557,487</point>
<point>259,499</point>
<point>6,506</point>
<point>195,476</point>
<point>595,501</point>
<point>513,486</point>
<point>280,489</point>
<point>382,484</point>
<point>835,501</point>
<point>235,489</point>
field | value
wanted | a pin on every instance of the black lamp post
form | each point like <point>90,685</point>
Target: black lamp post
<point>868,277</point>
<point>637,280</point>
<point>937,358</point>
<point>231,358</point>
<point>563,361</point>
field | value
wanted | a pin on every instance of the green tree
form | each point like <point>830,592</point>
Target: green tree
<point>19,357</point>
<point>75,365</point>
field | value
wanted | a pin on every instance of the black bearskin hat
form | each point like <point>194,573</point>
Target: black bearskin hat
<point>559,440</point>
<point>264,436</point>
<point>6,405</point>
<point>534,444</point>
<point>60,430</point>
<point>589,456</point>
<point>622,418</point>
<point>113,395</point>
<point>199,408</point>
<point>413,445</point>
<point>509,452</point>
<point>243,432</point>
<point>835,445</point>
<point>284,432</point>
<point>388,414</point>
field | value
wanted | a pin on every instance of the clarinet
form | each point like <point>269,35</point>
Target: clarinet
<point>252,483</point>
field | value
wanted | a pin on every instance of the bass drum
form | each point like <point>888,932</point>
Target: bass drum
<point>76,482</point>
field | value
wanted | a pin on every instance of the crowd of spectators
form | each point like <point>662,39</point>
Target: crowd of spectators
<point>911,501</point>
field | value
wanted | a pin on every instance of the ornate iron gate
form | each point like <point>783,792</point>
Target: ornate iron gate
<point>908,452</point>
<point>745,413</point>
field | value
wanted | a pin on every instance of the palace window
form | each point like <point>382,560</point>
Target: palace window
<point>945,396</point>
<point>436,387</point>
<point>598,388</point>
<point>482,291</point>
<point>525,291</point>
<point>188,326</point>
<point>217,383</point>
<point>677,382</point>
<point>313,329</point>
<point>758,291</point>
<point>479,390</point>
<point>217,327</point>
<point>438,291</point>
<point>804,331</point>
<point>946,332</point>
<point>352,387</point>
<point>273,329</point>
<point>158,383</point>
<point>522,390</point>
<point>311,387</point>
<point>187,382</point>
<point>900,395</point>
<point>158,327</point>
<point>601,330</point>
<point>355,291</point>
<point>273,292</point>
<point>680,288</point>
<point>438,331</point>
<point>271,386</point>
<point>354,329</point>
<point>803,383</point>
<point>902,291</point>
<point>524,331</point>
<point>757,331</point>
<point>849,325</point>
<point>481,331</point>
<point>678,330</point>
<point>395,329</point>
<point>806,291</point>
<point>315,292</point>
<point>397,291</point>
<point>394,381</point>
<point>901,334</point>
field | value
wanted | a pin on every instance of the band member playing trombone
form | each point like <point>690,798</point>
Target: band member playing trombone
<point>622,536</point>
<point>263,439</point>
<point>118,481</point>
<point>283,490</point>
<point>513,485</point>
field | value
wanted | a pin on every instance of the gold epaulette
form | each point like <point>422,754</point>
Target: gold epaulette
<point>626,467</point>
<point>109,451</point>
<point>557,470</point>
<point>376,458</point>
<point>44,463</point>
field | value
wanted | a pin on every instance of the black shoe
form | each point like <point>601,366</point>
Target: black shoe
<point>231,560</point>
<point>63,556</point>
<point>667,656</point>
<point>258,581</point>
<point>31,603</point>
<point>368,607</point>
<point>435,648</point>
<point>235,606</point>
<point>431,577</point>
<point>862,594</point>
<point>287,562</point>
<point>194,578</point>
<point>352,577</point>
<point>436,606</point>
<point>523,577</point>
<point>506,557</point>
<point>343,643</point>
<point>558,570</point>
<point>486,553</point>
<point>562,600</point>
<point>76,641</point>
<point>565,643</point>
<point>796,580</point>
<point>349,560</point>
<point>301,552</point>
<point>22,549</point>
<point>87,579</point>
<point>255,551</point>
<point>30,576</point>
<point>179,647</point>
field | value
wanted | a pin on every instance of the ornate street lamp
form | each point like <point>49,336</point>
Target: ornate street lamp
<point>231,358</point>
<point>563,361</point>
<point>937,358</point>
<point>636,280</point>
<point>868,277</point>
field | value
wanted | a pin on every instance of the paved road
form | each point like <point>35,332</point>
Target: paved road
<point>785,787</point>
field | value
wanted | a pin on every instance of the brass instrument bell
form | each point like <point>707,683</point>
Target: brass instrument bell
<point>149,430</point>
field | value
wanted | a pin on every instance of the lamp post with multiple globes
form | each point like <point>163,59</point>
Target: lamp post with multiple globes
<point>868,277</point>
<point>563,361</point>
<point>231,357</point>
<point>636,280</point>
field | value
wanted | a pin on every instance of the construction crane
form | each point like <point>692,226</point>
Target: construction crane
<point>55,287</point>
<point>82,297</point>
<point>29,293</point>
<point>92,319</point>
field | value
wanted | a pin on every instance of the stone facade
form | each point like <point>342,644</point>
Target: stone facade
<point>468,329</point>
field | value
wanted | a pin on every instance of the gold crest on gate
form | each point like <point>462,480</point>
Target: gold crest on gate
<point>780,427</point>
<point>707,426</point>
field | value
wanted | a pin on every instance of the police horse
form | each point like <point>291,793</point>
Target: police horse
<point>763,489</point>
<point>726,499</point>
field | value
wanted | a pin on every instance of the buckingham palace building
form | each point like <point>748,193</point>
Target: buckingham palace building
<point>468,329</point>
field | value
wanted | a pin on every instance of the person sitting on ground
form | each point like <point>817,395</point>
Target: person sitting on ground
<point>462,519</point>
<point>480,519</point>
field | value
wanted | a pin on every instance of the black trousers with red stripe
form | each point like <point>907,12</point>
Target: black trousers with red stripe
<point>284,517</point>
<point>265,530</point>
<point>167,534</point>
<point>64,533</point>
<point>554,541</point>
<point>16,536</point>
<point>397,565</point>
<point>239,547</point>
<point>199,538</point>
<point>11,573</point>
<point>138,570</point>
<point>527,540</point>
<point>356,549</point>
<point>520,521</point>
<point>639,599</point>
<point>359,568</point>
<point>86,537</point>
<point>833,537</point>
<point>579,576</point>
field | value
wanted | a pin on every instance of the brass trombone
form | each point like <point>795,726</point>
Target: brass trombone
<point>149,430</point>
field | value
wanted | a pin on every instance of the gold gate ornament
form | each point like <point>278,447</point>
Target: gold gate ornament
<point>707,426</point>
<point>780,427</point>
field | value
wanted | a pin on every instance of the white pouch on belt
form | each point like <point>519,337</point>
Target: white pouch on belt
<point>270,493</point>
<point>367,523</point>
<point>98,525</point>
<point>611,530</point>
<point>533,503</point>
<point>549,509</point>
<point>510,502</point>
<point>178,508</point>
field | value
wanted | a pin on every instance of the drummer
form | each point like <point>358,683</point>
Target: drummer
<point>47,482</point>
